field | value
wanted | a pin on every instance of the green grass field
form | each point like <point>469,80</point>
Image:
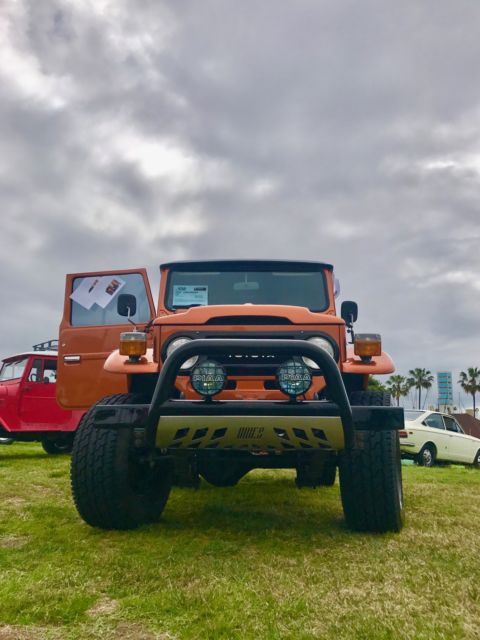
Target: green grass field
<point>262,560</point>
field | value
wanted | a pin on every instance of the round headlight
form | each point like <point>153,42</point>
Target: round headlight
<point>324,344</point>
<point>208,378</point>
<point>178,342</point>
<point>294,378</point>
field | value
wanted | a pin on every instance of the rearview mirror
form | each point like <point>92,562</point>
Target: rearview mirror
<point>349,311</point>
<point>246,286</point>
<point>126,305</point>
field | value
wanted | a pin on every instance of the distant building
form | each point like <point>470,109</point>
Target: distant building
<point>445,390</point>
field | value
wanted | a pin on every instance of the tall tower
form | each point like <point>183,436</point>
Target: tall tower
<point>445,390</point>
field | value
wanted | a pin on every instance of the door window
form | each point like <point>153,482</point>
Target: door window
<point>101,309</point>
<point>434,420</point>
<point>50,372</point>
<point>452,425</point>
<point>35,374</point>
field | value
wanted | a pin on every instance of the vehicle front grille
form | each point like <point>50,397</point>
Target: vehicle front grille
<point>244,364</point>
<point>237,363</point>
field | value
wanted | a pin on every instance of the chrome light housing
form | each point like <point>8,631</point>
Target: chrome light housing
<point>173,346</point>
<point>324,344</point>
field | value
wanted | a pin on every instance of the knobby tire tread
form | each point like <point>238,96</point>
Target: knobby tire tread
<point>98,479</point>
<point>369,475</point>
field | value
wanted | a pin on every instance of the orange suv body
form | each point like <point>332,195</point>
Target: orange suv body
<point>242,364</point>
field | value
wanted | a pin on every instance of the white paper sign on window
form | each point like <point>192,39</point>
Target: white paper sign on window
<point>107,289</point>
<point>97,289</point>
<point>83,293</point>
<point>185,295</point>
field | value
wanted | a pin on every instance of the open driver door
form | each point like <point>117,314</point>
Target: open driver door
<point>90,331</point>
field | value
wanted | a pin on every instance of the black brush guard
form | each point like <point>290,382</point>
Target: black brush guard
<point>144,419</point>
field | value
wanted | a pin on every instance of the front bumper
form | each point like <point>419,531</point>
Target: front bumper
<point>271,426</point>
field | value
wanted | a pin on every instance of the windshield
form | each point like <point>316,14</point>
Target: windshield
<point>413,415</point>
<point>199,288</point>
<point>12,370</point>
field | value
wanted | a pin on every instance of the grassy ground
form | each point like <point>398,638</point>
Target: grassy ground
<point>262,560</point>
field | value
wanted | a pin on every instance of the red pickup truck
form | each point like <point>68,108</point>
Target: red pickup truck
<point>28,405</point>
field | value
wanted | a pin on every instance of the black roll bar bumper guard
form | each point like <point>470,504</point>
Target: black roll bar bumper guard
<point>146,417</point>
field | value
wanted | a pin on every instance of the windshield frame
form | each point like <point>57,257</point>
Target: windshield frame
<point>242,268</point>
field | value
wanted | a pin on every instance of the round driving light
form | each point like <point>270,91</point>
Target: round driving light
<point>208,378</point>
<point>294,378</point>
<point>178,342</point>
<point>324,344</point>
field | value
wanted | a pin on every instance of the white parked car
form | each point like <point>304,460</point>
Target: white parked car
<point>430,436</point>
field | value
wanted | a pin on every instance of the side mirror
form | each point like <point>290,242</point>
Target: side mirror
<point>126,305</point>
<point>349,312</point>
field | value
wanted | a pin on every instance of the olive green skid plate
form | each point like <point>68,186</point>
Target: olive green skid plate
<point>251,433</point>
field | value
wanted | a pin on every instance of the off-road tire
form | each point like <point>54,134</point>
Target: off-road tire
<point>308,477</point>
<point>111,487</point>
<point>55,447</point>
<point>426,456</point>
<point>329,473</point>
<point>371,475</point>
<point>223,473</point>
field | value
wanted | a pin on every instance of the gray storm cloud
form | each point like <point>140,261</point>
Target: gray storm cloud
<point>135,133</point>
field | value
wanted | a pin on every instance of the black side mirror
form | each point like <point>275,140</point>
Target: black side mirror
<point>349,312</point>
<point>126,305</point>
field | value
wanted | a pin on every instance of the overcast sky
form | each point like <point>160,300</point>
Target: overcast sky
<point>132,133</point>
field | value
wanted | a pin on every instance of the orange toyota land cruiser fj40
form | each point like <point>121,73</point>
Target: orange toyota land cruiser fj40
<point>244,364</point>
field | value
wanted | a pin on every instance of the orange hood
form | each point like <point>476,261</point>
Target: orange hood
<point>295,315</point>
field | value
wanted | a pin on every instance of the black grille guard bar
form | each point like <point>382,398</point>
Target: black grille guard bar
<point>216,347</point>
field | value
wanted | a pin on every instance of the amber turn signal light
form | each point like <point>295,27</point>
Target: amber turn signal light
<point>368,345</point>
<point>133,344</point>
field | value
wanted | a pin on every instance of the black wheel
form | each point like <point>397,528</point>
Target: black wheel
<point>317,475</point>
<point>113,488</point>
<point>371,475</point>
<point>329,473</point>
<point>54,446</point>
<point>222,473</point>
<point>427,456</point>
<point>476,461</point>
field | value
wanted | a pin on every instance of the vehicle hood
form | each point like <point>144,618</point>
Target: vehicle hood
<point>278,313</point>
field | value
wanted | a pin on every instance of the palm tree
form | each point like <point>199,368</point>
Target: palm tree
<point>420,379</point>
<point>398,386</point>
<point>470,383</point>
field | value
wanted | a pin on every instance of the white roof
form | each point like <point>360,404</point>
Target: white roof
<point>25,354</point>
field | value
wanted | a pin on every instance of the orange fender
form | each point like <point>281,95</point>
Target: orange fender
<point>377,365</point>
<point>115,363</point>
